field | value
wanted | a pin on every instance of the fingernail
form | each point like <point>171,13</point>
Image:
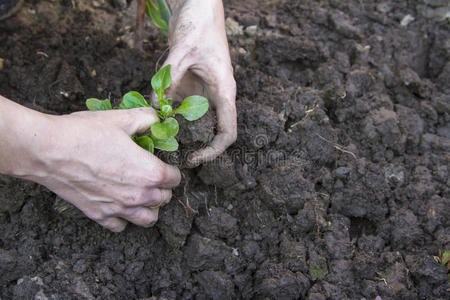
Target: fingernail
<point>192,162</point>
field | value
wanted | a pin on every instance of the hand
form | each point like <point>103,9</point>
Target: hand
<point>201,65</point>
<point>88,159</point>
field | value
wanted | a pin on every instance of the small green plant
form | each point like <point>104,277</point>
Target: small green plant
<point>163,133</point>
<point>160,14</point>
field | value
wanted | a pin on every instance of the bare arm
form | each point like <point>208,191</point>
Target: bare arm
<point>89,160</point>
<point>20,131</point>
<point>201,65</point>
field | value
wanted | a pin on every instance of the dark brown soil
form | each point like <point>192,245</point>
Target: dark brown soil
<point>338,185</point>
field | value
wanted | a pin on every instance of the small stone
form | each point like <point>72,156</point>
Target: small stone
<point>406,20</point>
<point>230,207</point>
<point>64,93</point>
<point>394,173</point>
<point>93,73</point>
<point>242,51</point>
<point>235,252</point>
<point>233,27</point>
<point>1,63</point>
<point>98,3</point>
<point>342,172</point>
<point>251,30</point>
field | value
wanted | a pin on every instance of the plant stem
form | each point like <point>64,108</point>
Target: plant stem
<point>139,24</point>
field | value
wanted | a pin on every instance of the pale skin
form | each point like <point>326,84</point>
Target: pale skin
<point>88,158</point>
<point>201,65</point>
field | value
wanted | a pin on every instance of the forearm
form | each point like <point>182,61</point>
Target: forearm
<point>23,134</point>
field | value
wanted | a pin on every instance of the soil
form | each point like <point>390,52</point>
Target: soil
<point>337,187</point>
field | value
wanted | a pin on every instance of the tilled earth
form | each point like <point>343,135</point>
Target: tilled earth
<point>338,185</point>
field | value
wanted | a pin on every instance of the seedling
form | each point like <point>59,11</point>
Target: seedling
<point>160,14</point>
<point>163,133</point>
<point>158,11</point>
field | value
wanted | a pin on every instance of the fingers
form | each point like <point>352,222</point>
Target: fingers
<point>141,216</point>
<point>115,216</point>
<point>160,198</point>
<point>177,59</point>
<point>168,177</point>
<point>226,133</point>
<point>152,198</point>
<point>136,120</point>
<point>113,224</point>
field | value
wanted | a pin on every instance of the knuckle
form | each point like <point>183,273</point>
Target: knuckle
<point>157,197</point>
<point>117,228</point>
<point>136,198</point>
<point>112,209</point>
<point>152,219</point>
<point>161,174</point>
<point>147,217</point>
<point>166,195</point>
<point>114,225</point>
<point>95,215</point>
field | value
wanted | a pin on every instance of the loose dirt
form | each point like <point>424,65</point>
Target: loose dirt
<point>337,187</point>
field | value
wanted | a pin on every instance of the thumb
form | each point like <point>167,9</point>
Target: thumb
<point>179,66</point>
<point>136,120</point>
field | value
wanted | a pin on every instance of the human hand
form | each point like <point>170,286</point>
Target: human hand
<point>201,65</point>
<point>91,162</point>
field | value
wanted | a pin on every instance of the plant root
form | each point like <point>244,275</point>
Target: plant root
<point>338,147</point>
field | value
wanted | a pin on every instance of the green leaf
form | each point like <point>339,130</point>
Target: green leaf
<point>164,10</point>
<point>145,142</point>
<point>160,114</point>
<point>161,81</point>
<point>96,104</point>
<point>193,107</point>
<point>162,102</point>
<point>445,257</point>
<point>169,101</point>
<point>167,129</point>
<point>154,13</point>
<point>169,144</point>
<point>133,100</point>
<point>167,110</point>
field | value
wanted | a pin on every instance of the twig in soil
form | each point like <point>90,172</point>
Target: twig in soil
<point>186,195</point>
<point>384,280</point>
<point>307,114</point>
<point>139,24</point>
<point>337,146</point>
<point>42,53</point>
<point>206,206</point>
<point>185,207</point>
<point>316,215</point>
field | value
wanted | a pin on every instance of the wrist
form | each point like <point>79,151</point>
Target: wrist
<point>25,139</point>
<point>176,5</point>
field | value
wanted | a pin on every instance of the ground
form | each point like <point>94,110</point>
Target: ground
<point>337,187</point>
